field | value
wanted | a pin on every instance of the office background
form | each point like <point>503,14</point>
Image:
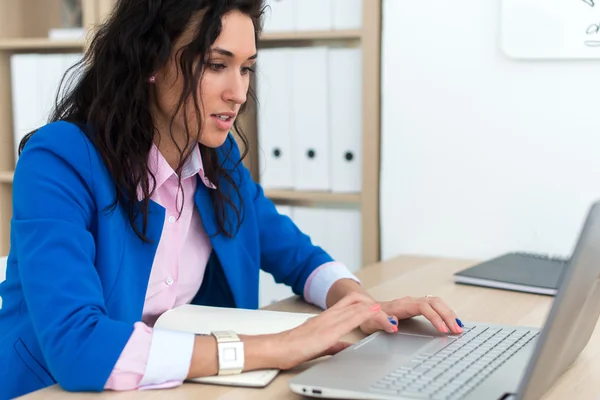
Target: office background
<point>314,138</point>
<point>425,128</point>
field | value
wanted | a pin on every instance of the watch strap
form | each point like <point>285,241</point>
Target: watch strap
<point>230,350</point>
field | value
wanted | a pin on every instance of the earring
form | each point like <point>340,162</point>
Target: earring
<point>152,79</point>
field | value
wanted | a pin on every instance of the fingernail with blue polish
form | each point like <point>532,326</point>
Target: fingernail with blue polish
<point>392,320</point>
<point>459,322</point>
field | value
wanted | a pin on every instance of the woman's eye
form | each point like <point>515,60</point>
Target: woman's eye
<point>217,67</point>
<point>247,70</point>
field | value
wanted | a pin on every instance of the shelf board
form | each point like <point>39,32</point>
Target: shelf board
<point>311,35</point>
<point>29,44</point>
<point>6,176</point>
<point>34,44</point>
<point>318,197</point>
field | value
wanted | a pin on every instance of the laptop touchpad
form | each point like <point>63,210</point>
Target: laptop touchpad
<point>398,344</point>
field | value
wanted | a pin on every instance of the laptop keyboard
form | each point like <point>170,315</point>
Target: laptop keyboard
<point>458,368</point>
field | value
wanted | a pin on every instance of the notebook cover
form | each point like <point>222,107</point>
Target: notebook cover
<point>516,271</point>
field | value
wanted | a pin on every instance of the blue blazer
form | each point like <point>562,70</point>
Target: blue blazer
<point>77,274</point>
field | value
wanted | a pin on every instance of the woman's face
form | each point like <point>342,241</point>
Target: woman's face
<point>222,89</point>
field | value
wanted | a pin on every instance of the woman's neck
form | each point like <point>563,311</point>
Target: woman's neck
<point>169,150</point>
<point>170,143</point>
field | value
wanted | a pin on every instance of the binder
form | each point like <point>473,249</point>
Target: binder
<point>313,15</point>
<point>345,238</point>
<point>337,231</point>
<point>310,137</point>
<point>313,221</point>
<point>25,81</point>
<point>279,16</point>
<point>345,105</point>
<point>51,69</point>
<point>284,210</point>
<point>3,261</point>
<point>35,83</point>
<point>347,14</point>
<point>269,290</point>
<point>275,118</point>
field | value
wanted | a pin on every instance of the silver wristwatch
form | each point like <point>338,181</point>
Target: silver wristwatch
<point>230,352</point>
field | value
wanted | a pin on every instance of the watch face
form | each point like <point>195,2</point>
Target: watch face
<point>230,354</point>
<point>231,358</point>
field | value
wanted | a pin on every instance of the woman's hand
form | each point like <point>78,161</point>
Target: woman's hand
<point>320,335</point>
<point>443,318</point>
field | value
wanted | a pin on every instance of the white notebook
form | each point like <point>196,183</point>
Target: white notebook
<point>203,320</point>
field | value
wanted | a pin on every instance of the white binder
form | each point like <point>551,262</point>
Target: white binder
<point>24,85</point>
<point>275,119</point>
<point>51,70</point>
<point>313,221</point>
<point>345,105</point>
<point>3,261</point>
<point>35,82</point>
<point>337,231</point>
<point>284,210</point>
<point>269,290</point>
<point>347,14</point>
<point>310,138</point>
<point>313,15</point>
<point>345,241</point>
<point>279,16</point>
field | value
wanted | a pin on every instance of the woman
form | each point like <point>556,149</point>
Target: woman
<point>134,200</point>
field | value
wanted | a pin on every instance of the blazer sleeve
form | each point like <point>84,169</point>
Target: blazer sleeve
<point>53,205</point>
<point>285,252</point>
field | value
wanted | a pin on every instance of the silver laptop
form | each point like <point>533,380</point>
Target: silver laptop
<point>485,362</point>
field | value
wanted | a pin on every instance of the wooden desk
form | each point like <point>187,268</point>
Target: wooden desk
<point>413,276</point>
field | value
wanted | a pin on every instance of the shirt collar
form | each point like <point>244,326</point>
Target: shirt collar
<point>162,171</point>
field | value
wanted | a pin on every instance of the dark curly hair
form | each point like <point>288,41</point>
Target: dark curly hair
<point>111,99</point>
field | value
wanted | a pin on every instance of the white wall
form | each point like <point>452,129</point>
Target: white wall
<point>481,154</point>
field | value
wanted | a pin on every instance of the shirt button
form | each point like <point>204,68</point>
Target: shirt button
<point>171,219</point>
<point>169,281</point>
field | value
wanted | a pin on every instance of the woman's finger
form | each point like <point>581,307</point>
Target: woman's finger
<point>350,299</point>
<point>352,317</point>
<point>406,307</point>
<point>446,313</point>
<point>381,321</point>
<point>428,312</point>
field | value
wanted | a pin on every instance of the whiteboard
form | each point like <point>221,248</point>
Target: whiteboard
<point>550,29</point>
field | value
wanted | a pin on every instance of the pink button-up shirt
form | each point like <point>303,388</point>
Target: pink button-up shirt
<point>156,358</point>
